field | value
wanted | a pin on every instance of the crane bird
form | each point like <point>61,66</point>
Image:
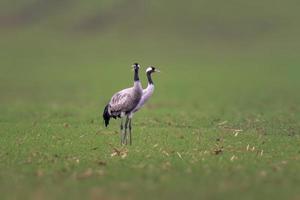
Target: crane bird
<point>147,92</point>
<point>122,104</point>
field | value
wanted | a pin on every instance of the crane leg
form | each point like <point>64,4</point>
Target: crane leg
<point>121,130</point>
<point>130,138</point>
<point>126,127</point>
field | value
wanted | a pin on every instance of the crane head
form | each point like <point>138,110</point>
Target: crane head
<point>135,66</point>
<point>152,69</point>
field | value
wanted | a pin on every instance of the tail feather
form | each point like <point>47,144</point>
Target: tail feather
<point>106,115</point>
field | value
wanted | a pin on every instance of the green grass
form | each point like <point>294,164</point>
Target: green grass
<point>223,123</point>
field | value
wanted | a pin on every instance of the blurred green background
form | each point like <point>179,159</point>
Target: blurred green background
<point>49,48</point>
<point>223,62</point>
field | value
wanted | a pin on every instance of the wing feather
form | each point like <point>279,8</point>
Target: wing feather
<point>121,102</point>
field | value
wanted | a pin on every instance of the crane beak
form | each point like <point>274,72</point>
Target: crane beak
<point>156,70</point>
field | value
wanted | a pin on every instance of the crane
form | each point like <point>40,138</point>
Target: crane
<point>122,104</point>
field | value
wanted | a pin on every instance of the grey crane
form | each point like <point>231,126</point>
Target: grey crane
<point>148,91</point>
<point>122,104</point>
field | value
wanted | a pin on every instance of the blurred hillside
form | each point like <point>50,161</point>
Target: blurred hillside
<point>191,28</point>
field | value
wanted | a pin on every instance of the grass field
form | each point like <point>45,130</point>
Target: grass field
<point>223,123</point>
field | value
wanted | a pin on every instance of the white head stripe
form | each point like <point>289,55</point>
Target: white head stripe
<point>148,69</point>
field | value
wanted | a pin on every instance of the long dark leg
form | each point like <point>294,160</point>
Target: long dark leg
<point>125,135</point>
<point>121,130</point>
<point>130,138</point>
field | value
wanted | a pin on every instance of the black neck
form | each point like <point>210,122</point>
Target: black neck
<point>136,75</point>
<point>149,78</point>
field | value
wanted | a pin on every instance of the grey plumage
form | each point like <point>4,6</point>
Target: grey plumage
<point>122,104</point>
<point>125,101</point>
